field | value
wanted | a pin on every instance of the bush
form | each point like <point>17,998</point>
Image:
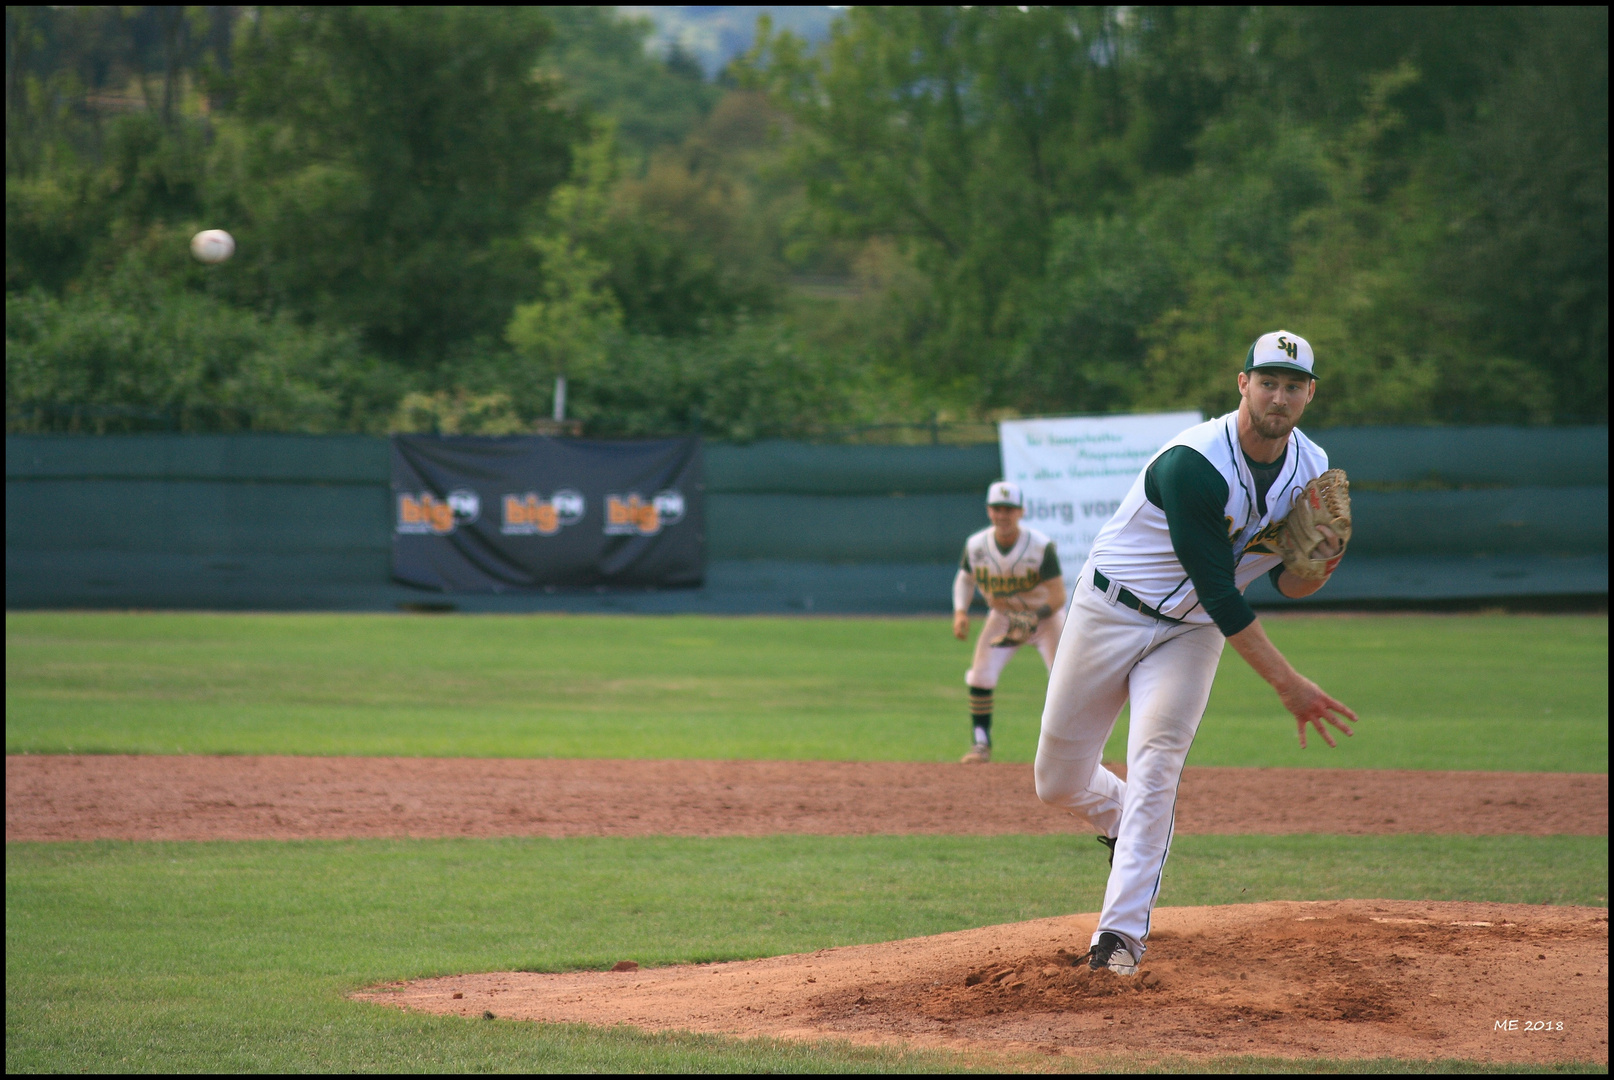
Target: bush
<point>131,357</point>
<point>761,381</point>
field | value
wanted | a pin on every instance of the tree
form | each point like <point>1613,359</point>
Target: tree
<point>693,243</point>
<point>390,163</point>
<point>963,133</point>
<point>1533,257</point>
<point>1089,196</point>
<point>566,331</point>
<point>601,59</point>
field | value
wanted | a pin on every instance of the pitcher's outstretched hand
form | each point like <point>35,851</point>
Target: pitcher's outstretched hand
<point>1311,706</point>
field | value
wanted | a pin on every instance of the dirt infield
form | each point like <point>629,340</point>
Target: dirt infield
<point>1347,979</point>
<point>243,798</point>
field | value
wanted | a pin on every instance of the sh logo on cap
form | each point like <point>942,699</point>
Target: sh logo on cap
<point>1283,350</point>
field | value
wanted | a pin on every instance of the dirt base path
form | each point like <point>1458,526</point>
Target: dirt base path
<point>1346,979</point>
<point>89,797</point>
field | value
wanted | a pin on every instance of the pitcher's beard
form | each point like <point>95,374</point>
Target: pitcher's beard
<point>1273,425</point>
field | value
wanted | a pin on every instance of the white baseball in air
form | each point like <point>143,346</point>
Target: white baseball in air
<point>212,245</point>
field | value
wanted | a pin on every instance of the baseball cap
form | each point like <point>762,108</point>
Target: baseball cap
<point>1004,493</point>
<point>1281,349</point>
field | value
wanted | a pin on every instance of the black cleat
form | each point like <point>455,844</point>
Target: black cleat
<point>1109,842</point>
<point>1112,954</point>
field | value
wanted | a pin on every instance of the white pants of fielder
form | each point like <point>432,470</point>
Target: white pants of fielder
<point>990,661</point>
<point>1108,654</point>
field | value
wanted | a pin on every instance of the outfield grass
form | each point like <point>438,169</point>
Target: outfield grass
<point>1434,692</point>
<point>237,956</point>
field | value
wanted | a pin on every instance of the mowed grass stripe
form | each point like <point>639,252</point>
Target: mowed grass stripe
<point>1434,692</point>
<point>225,956</point>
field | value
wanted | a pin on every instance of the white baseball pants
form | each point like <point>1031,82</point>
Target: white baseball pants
<point>1110,653</point>
<point>989,662</point>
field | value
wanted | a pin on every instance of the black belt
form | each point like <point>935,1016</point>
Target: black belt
<point>1127,598</point>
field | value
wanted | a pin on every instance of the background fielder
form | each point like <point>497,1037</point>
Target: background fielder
<point>1161,591</point>
<point>1017,572</point>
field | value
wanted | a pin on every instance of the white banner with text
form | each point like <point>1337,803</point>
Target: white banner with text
<point>1075,470</point>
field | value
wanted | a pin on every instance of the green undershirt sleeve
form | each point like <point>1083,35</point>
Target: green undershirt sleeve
<point>1050,564</point>
<point>1194,497</point>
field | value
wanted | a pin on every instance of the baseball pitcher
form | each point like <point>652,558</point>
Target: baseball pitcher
<point>1017,573</point>
<point>1225,501</point>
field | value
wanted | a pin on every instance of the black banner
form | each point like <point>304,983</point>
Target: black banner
<point>478,514</point>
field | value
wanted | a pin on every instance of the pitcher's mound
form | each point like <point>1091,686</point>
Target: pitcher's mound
<point>1344,979</point>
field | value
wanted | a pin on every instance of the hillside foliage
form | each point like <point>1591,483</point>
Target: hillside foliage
<point>939,214</point>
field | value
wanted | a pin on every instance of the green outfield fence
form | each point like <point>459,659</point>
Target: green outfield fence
<point>288,521</point>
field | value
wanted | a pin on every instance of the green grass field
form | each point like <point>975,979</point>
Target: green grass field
<point>237,956</point>
<point>1434,692</point>
<point>227,956</point>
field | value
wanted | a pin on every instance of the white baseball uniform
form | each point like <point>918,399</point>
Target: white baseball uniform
<point>1013,580</point>
<point>1164,658</point>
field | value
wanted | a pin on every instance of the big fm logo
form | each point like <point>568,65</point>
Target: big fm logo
<point>426,514</point>
<point>631,515</point>
<point>530,514</point>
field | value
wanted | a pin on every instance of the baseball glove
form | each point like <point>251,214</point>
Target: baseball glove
<point>1320,519</point>
<point>1022,627</point>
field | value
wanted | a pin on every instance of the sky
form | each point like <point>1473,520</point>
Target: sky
<point>714,35</point>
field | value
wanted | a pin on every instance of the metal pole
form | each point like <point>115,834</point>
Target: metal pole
<point>560,398</point>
